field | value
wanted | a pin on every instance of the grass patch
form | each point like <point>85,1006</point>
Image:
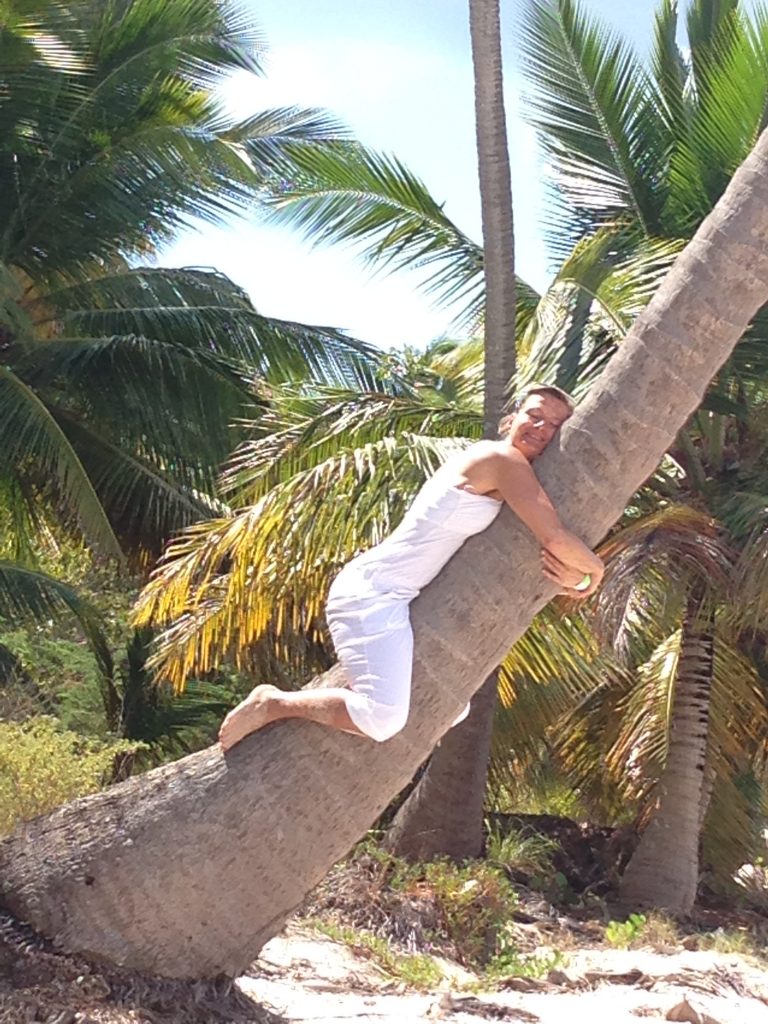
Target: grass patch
<point>419,970</point>
<point>740,941</point>
<point>529,852</point>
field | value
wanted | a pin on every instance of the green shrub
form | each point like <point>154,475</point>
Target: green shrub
<point>462,912</point>
<point>509,962</point>
<point>43,766</point>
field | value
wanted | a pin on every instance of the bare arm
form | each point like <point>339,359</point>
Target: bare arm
<point>518,484</point>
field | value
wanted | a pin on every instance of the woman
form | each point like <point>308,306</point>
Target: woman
<point>368,603</point>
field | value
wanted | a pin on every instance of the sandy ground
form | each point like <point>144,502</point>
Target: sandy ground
<point>301,976</point>
<point>304,976</point>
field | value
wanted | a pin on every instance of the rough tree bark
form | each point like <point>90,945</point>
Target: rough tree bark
<point>443,816</point>
<point>188,870</point>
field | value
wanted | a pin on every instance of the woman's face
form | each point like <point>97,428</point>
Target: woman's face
<point>535,424</point>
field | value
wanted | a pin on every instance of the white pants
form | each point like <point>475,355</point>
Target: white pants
<point>374,643</point>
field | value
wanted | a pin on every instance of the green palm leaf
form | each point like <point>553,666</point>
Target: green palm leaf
<point>271,137</point>
<point>301,431</point>
<point>28,594</point>
<point>592,106</point>
<point>205,313</point>
<point>349,194</point>
<point>595,298</point>
<point>552,670</point>
<point>146,499</point>
<point>729,79</point>
<point>346,193</point>
<point>31,435</point>
<point>126,146</point>
<point>670,70</point>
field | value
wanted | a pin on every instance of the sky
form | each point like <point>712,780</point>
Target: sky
<point>399,74</point>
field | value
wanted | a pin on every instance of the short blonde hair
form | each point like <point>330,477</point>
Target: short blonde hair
<point>534,389</point>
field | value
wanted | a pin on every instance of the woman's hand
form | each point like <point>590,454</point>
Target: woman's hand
<point>568,578</point>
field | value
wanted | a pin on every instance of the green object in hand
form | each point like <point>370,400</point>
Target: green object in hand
<point>585,583</point>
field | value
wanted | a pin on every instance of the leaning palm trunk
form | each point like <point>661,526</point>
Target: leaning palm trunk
<point>189,869</point>
<point>444,814</point>
<point>664,870</point>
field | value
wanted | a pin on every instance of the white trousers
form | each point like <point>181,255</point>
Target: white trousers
<point>374,643</point>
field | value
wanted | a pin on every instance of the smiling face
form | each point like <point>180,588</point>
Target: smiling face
<point>535,424</point>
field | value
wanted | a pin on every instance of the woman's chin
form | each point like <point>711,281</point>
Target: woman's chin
<point>527,450</point>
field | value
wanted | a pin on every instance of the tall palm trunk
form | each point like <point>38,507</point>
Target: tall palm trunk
<point>189,869</point>
<point>444,814</point>
<point>664,870</point>
<point>496,206</point>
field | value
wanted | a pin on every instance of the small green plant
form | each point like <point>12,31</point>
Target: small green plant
<point>622,934</point>
<point>458,911</point>
<point>509,962</point>
<point>474,903</point>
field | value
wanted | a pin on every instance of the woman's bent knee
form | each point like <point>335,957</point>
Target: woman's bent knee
<point>380,722</point>
<point>387,722</point>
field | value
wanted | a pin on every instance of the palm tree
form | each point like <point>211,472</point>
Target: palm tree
<point>119,383</point>
<point>673,613</point>
<point>444,813</point>
<point>642,153</point>
<point>208,881</point>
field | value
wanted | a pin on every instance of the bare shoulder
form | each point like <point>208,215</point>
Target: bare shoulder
<point>503,457</point>
<point>483,451</point>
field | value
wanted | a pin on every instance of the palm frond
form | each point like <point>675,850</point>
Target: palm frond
<point>649,566</point>
<point>160,395</point>
<point>729,67</point>
<point>346,193</point>
<point>223,584</point>
<point>669,69</point>
<point>749,611</point>
<point>126,148</point>
<point>554,669</point>
<point>300,431</point>
<point>592,104</point>
<point>597,294</point>
<point>148,498</point>
<point>206,313</point>
<point>27,594</point>
<point>31,434</point>
<point>738,725</point>
<point>270,137</point>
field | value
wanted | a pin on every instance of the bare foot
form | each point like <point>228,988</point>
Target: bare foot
<point>256,711</point>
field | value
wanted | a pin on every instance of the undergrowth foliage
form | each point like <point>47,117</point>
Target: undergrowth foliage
<point>43,766</point>
<point>463,912</point>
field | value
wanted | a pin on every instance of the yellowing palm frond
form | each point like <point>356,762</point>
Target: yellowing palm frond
<point>223,584</point>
